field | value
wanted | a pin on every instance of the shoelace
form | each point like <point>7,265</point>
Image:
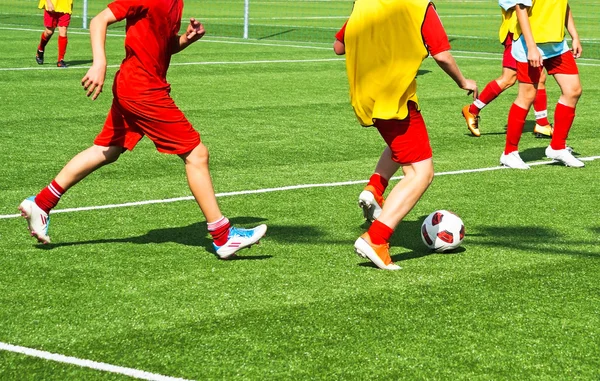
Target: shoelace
<point>246,233</point>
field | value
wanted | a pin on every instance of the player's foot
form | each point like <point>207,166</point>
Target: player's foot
<point>371,203</point>
<point>378,254</point>
<point>472,121</point>
<point>37,220</point>
<point>513,160</point>
<point>39,57</point>
<point>540,131</point>
<point>61,63</point>
<point>238,239</point>
<point>565,156</point>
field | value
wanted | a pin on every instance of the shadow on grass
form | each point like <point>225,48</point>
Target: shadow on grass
<point>191,235</point>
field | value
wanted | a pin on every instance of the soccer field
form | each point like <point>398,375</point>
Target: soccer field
<point>129,286</point>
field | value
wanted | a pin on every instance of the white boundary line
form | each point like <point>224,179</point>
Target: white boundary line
<point>278,189</point>
<point>135,373</point>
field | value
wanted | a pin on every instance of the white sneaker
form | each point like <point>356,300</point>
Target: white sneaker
<point>37,220</point>
<point>513,160</point>
<point>370,204</point>
<point>239,239</point>
<point>565,156</point>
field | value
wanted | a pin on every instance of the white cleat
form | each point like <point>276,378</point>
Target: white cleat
<point>239,239</point>
<point>37,220</point>
<point>565,156</point>
<point>369,204</point>
<point>513,160</point>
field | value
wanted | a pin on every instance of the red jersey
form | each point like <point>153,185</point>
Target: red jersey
<point>151,30</point>
<point>434,35</point>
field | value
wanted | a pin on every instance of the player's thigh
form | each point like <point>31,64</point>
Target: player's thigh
<point>119,130</point>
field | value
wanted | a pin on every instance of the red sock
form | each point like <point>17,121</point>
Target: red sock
<point>540,106</point>
<point>219,230</point>
<point>43,42</point>
<point>380,233</point>
<point>516,122</point>
<point>563,120</point>
<point>489,93</point>
<point>379,183</point>
<point>62,47</point>
<point>49,196</point>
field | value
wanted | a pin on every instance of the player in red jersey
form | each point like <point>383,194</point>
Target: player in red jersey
<point>142,107</point>
<point>385,44</point>
<point>494,88</point>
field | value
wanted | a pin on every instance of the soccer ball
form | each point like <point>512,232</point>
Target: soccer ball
<point>442,231</point>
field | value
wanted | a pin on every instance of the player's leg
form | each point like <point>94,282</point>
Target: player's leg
<point>371,198</point>
<point>36,209</point>
<point>63,23</point>
<point>172,133</point>
<point>493,89</point>
<point>566,75</point>
<point>542,128</point>
<point>410,150</point>
<point>528,80</point>
<point>50,23</point>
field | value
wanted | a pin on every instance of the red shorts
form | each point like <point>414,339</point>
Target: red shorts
<point>407,138</point>
<point>159,119</point>
<point>563,64</point>
<point>54,19</point>
<point>508,61</point>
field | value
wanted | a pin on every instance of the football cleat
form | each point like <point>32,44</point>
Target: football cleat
<point>513,160</point>
<point>39,57</point>
<point>378,254</point>
<point>371,203</point>
<point>61,63</point>
<point>38,221</point>
<point>565,156</point>
<point>540,131</point>
<point>472,121</point>
<point>238,239</point>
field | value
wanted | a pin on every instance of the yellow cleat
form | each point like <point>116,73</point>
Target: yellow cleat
<point>543,131</point>
<point>472,121</point>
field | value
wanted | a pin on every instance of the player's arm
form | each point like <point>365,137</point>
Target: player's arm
<point>49,6</point>
<point>193,33</point>
<point>533,55</point>
<point>438,45</point>
<point>339,47</point>
<point>93,80</point>
<point>575,42</point>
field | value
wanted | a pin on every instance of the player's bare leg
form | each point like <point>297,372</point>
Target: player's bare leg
<point>200,183</point>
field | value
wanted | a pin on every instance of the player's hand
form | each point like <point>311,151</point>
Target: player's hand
<point>471,87</point>
<point>93,80</point>
<point>534,57</point>
<point>576,48</point>
<point>49,6</point>
<point>195,30</point>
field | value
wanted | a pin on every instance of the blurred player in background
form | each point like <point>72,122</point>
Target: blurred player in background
<point>385,44</point>
<point>57,13</point>
<point>540,44</point>
<point>142,107</point>
<point>506,80</point>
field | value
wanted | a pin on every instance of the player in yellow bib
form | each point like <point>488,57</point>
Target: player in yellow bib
<point>57,13</point>
<point>385,42</point>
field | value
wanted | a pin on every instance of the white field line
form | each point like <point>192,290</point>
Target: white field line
<point>278,189</point>
<point>135,373</point>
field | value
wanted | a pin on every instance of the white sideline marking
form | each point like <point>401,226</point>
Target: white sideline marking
<point>278,189</point>
<point>135,373</point>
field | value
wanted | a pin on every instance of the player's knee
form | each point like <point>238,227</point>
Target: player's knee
<point>111,154</point>
<point>198,157</point>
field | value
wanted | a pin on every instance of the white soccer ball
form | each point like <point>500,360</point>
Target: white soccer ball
<point>442,231</point>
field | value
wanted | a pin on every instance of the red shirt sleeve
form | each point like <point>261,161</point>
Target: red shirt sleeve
<point>123,9</point>
<point>340,34</point>
<point>433,32</point>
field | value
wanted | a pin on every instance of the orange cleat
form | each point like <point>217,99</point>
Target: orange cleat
<point>472,121</point>
<point>371,203</point>
<point>378,254</point>
<point>540,131</point>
